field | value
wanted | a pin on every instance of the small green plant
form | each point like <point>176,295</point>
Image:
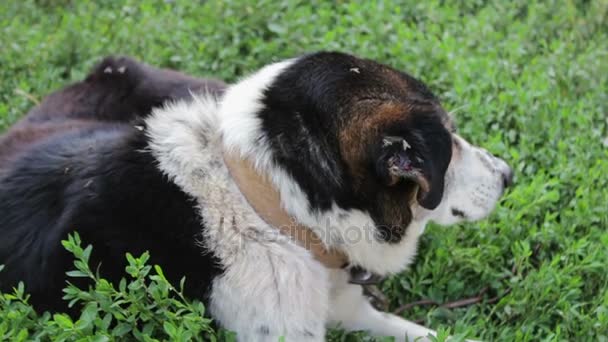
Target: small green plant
<point>144,307</point>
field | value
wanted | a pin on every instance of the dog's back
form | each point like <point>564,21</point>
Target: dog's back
<point>78,162</point>
<point>118,90</point>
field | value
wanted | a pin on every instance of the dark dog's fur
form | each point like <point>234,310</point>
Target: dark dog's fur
<point>85,142</point>
<point>118,90</point>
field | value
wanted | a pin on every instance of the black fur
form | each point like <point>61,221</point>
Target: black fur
<point>96,178</point>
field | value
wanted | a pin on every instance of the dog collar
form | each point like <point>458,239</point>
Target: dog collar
<point>266,201</point>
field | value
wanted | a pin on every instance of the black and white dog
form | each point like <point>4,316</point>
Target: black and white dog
<point>249,191</point>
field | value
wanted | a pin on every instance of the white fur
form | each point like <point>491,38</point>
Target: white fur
<point>241,128</point>
<point>474,184</point>
<point>350,310</point>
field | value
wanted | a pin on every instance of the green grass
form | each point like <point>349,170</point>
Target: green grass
<point>528,80</point>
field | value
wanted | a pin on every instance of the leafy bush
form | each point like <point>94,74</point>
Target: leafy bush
<point>146,307</point>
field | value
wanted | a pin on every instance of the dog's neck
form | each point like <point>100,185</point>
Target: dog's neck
<point>266,201</point>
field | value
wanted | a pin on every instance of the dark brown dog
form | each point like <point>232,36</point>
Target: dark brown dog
<point>117,91</point>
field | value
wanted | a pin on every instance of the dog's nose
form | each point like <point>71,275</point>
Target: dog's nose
<point>507,177</point>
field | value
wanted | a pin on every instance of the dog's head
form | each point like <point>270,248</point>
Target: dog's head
<point>350,143</point>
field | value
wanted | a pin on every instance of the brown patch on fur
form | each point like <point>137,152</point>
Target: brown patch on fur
<point>373,115</point>
<point>23,137</point>
<point>395,214</point>
<point>392,211</point>
<point>266,201</point>
<point>392,204</point>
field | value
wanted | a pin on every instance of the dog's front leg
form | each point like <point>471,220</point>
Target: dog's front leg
<point>269,295</point>
<point>351,311</point>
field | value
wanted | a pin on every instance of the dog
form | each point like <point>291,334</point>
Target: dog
<point>263,193</point>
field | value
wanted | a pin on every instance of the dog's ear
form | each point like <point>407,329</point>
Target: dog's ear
<point>421,161</point>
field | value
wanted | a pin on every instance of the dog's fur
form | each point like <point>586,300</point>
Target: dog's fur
<point>131,158</point>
